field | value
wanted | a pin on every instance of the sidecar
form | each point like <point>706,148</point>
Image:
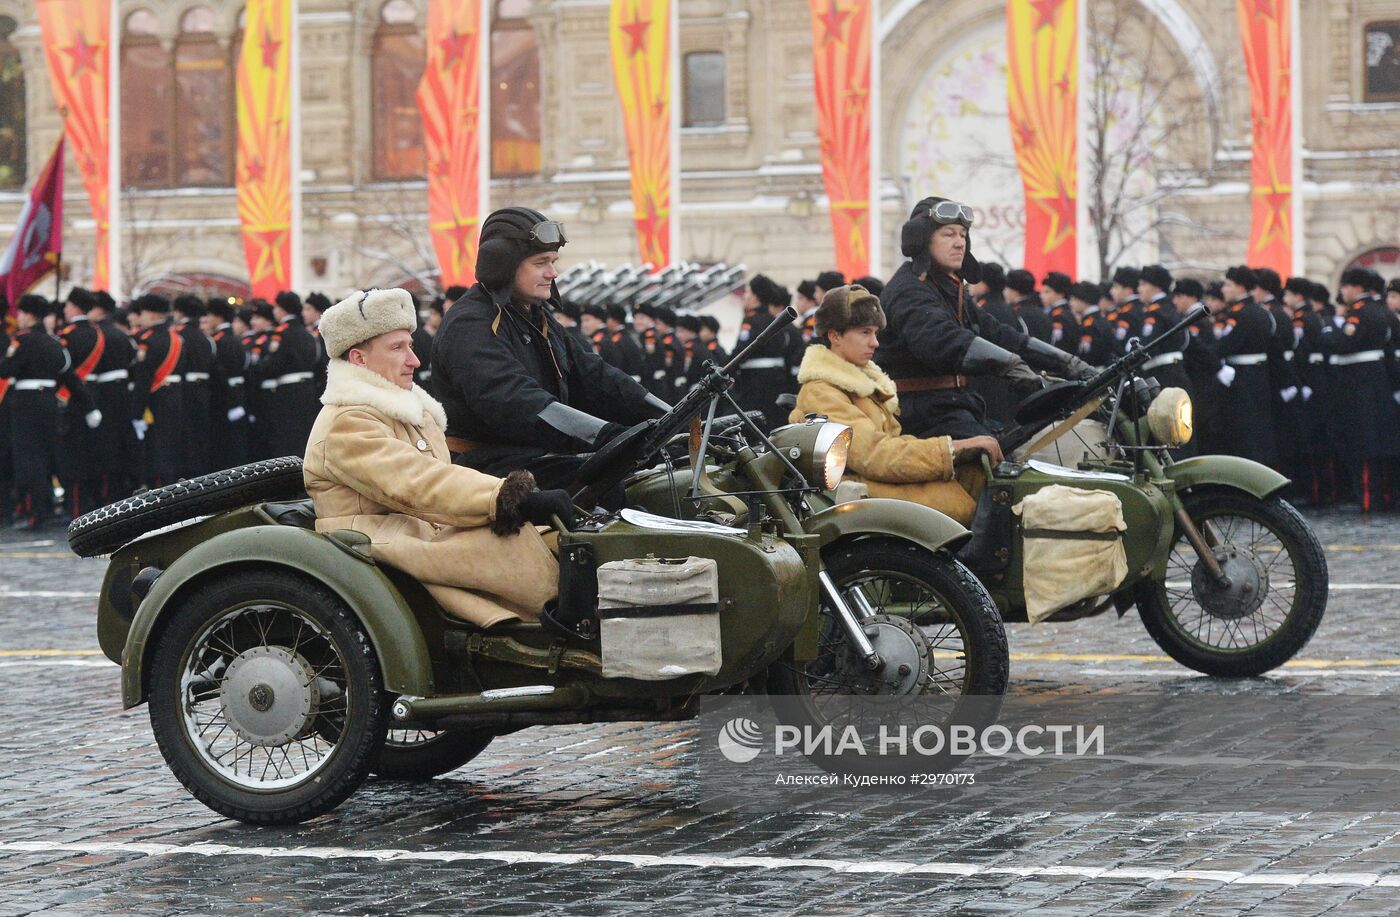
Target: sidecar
<point>275,658</point>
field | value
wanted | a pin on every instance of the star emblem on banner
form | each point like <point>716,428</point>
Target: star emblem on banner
<point>1025,134</point>
<point>1277,199</point>
<point>84,55</point>
<point>255,171</point>
<point>1062,86</point>
<point>856,99</point>
<point>1061,211</point>
<point>1264,8</point>
<point>269,261</point>
<point>454,46</point>
<point>269,47</point>
<point>439,167</point>
<point>649,225</point>
<point>637,32</point>
<point>834,22</point>
<point>1046,9</point>
<point>461,232</point>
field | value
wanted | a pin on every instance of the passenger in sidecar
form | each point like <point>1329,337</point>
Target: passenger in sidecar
<point>377,463</point>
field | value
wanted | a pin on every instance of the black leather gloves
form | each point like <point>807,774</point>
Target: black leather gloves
<point>541,506</point>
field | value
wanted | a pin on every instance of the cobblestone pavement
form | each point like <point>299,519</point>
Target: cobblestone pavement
<point>604,819</point>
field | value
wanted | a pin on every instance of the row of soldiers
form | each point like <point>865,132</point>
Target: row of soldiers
<point>109,400</point>
<point>1279,371</point>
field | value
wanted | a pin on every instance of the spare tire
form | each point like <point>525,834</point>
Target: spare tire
<point>104,530</point>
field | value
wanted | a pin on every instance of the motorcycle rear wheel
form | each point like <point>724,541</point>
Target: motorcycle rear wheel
<point>1278,594</point>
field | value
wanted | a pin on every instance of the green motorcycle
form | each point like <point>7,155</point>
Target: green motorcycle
<point>1227,577</point>
<point>283,665</point>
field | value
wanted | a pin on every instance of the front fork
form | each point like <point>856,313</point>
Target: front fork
<point>1203,538</point>
<point>851,610</point>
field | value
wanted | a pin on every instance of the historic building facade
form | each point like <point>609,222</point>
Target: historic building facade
<point>751,188</point>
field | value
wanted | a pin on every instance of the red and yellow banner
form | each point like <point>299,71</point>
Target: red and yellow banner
<point>640,33</point>
<point>264,164</point>
<point>841,67</point>
<point>1266,33</point>
<point>78,45</point>
<point>449,98</point>
<point>1042,78</point>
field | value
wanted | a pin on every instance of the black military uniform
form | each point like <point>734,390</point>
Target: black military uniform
<point>1366,426</point>
<point>712,351</point>
<point>629,355</point>
<point>1000,401</point>
<point>157,394</point>
<point>230,414</point>
<point>201,366</point>
<point>1243,332</point>
<point>934,340</point>
<point>1064,327</point>
<point>1201,363</point>
<point>515,387</point>
<point>766,373</point>
<point>286,375</point>
<point>109,385</point>
<point>80,458</point>
<point>257,399</point>
<point>7,469</point>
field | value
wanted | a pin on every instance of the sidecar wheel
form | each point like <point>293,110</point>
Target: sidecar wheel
<point>422,754</point>
<point>1276,600</point>
<point>266,698</point>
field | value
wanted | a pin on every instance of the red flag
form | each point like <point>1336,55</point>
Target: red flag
<point>38,238</point>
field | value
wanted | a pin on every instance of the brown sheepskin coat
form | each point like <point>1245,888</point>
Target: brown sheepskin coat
<point>377,463</point>
<point>889,463</point>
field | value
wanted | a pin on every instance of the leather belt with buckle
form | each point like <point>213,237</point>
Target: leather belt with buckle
<point>929,383</point>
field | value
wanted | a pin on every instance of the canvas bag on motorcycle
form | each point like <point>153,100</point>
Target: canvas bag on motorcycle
<point>658,618</point>
<point>1072,547</point>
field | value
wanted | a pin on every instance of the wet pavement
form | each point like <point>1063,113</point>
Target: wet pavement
<point>606,819</point>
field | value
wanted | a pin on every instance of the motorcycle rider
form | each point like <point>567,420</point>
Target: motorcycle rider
<point>935,340</point>
<point>520,392</point>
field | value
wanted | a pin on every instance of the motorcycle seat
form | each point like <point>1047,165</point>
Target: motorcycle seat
<point>297,513</point>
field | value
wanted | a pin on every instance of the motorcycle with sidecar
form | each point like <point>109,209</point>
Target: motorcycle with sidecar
<point>283,665</point>
<point>1227,577</point>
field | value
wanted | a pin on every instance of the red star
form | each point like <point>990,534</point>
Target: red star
<point>1264,8</point>
<point>658,108</point>
<point>1277,198</point>
<point>856,97</point>
<point>83,54</point>
<point>637,31</point>
<point>834,21</point>
<point>649,228</point>
<point>255,171</point>
<point>1025,134</point>
<point>1047,10</point>
<point>269,261</point>
<point>1061,210</point>
<point>454,46</point>
<point>269,50</point>
<point>439,166</point>
<point>1063,85</point>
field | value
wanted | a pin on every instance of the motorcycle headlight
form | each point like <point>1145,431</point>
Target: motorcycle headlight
<point>1169,418</point>
<point>829,454</point>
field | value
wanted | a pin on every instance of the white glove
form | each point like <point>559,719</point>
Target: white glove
<point>140,427</point>
<point>1396,396</point>
<point>1307,393</point>
<point>236,414</point>
<point>1338,321</point>
<point>1226,375</point>
<point>1289,393</point>
<point>93,418</point>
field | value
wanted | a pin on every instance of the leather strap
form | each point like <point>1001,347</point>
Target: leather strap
<point>457,444</point>
<point>929,383</point>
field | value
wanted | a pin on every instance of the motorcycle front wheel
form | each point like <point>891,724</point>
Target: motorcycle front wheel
<point>1272,605</point>
<point>925,605</point>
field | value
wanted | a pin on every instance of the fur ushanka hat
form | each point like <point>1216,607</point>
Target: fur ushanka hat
<point>848,307</point>
<point>366,315</point>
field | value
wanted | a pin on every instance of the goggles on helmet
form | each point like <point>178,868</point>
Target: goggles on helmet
<point>951,212</point>
<point>550,232</point>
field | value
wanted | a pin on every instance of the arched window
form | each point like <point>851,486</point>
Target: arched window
<point>203,104</point>
<point>704,89</point>
<point>148,105</point>
<point>515,92</point>
<point>12,123</point>
<point>397,67</point>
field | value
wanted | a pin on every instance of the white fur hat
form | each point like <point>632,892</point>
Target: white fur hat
<point>366,315</point>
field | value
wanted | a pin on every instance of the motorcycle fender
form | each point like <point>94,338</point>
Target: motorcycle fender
<point>913,522</point>
<point>1251,477</point>
<point>382,611</point>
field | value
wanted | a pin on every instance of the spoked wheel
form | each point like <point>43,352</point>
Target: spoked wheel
<point>935,628</point>
<point>266,698</point>
<point>425,753</point>
<point>1272,604</point>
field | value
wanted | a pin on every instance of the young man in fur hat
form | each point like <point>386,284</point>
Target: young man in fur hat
<point>377,462</point>
<point>936,339</point>
<point>841,381</point>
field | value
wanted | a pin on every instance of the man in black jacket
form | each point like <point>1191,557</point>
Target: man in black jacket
<point>157,402</point>
<point>229,418</point>
<point>518,391</point>
<point>110,392</point>
<point>934,340</point>
<point>285,373</point>
<point>201,367</point>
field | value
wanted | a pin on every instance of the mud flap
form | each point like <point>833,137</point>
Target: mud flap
<point>989,549</point>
